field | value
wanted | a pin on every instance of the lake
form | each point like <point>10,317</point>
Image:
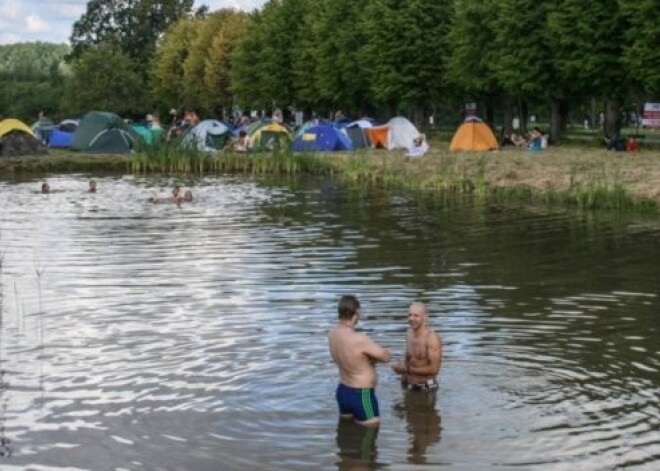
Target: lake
<point>139,336</point>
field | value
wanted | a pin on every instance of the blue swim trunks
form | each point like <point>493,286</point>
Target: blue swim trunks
<point>359,402</point>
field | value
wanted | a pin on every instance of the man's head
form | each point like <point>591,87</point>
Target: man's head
<point>188,196</point>
<point>92,186</point>
<point>45,187</point>
<point>348,307</point>
<point>417,315</point>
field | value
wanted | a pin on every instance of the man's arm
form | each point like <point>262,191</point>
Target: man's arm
<point>435,358</point>
<point>375,352</point>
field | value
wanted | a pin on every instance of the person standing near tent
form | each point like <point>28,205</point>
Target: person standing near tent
<point>423,358</point>
<point>355,355</point>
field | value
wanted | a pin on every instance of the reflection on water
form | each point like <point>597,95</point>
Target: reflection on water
<point>423,422</point>
<point>155,337</point>
<point>357,446</point>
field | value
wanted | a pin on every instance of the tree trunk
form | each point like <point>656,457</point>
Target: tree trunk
<point>522,115</point>
<point>558,119</point>
<point>489,111</point>
<point>612,118</point>
<point>507,115</point>
<point>418,117</point>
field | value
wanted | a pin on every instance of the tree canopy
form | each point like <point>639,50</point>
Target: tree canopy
<point>132,25</point>
<point>375,56</point>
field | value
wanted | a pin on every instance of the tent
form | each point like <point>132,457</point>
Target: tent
<point>11,124</point>
<point>356,133</point>
<point>60,139</point>
<point>473,135</point>
<point>100,132</point>
<point>398,133</point>
<point>208,136</point>
<point>321,138</point>
<point>16,138</point>
<point>148,135</point>
<point>68,125</point>
<point>61,136</point>
<point>269,136</point>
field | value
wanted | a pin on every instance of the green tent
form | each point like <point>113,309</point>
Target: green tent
<point>100,132</point>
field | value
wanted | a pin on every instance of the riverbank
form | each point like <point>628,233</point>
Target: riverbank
<point>565,174</point>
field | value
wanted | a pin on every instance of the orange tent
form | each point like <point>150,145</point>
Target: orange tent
<point>378,136</point>
<point>473,135</point>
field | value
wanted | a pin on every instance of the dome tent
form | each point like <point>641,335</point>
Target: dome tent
<point>473,135</point>
<point>101,132</point>
<point>208,136</point>
<point>16,138</point>
<point>321,138</point>
<point>398,133</point>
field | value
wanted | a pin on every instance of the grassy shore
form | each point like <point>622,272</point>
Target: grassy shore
<point>571,175</point>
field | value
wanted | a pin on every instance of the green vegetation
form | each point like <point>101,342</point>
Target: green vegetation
<point>31,79</point>
<point>560,61</point>
<point>585,178</point>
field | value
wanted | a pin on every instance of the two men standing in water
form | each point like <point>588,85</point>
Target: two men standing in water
<point>356,355</point>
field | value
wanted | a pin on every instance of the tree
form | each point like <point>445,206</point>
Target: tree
<point>405,51</point>
<point>473,54</point>
<point>132,25</point>
<point>194,88</point>
<point>105,78</point>
<point>218,64</point>
<point>245,64</point>
<point>587,38</point>
<point>166,74</point>
<point>31,79</point>
<point>641,55</point>
<point>340,75</point>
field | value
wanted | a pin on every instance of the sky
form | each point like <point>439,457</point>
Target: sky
<point>51,20</point>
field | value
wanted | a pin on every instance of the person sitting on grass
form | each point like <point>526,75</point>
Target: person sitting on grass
<point>536,140</point>
<point>632,145</point>
<point>419,147</point>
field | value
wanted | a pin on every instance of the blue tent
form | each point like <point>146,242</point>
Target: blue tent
<point>60,139</point>
<point>320,138</point>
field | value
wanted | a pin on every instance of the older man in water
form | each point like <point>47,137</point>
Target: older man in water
<point>423,353</point>
<point>355,355</point>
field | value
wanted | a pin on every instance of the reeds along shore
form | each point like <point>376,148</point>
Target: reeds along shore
<point>582,177</point>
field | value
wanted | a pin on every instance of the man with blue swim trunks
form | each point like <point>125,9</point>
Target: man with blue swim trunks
<point>355,354</point>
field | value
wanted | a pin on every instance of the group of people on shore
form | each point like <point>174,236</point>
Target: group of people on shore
<point>536,140</point>
<point>356,355</point>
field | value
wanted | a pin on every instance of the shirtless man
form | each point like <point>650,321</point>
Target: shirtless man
<point>423,353</point>
<point>355,354</point>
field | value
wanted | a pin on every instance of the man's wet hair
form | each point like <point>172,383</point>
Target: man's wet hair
<point>348,306</point>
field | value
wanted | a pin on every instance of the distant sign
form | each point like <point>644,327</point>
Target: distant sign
<point>651,116</point>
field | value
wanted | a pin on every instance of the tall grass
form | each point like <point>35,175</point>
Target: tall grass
<point>588,189</point>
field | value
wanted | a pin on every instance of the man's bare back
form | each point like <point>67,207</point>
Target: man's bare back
<point>355,355</point>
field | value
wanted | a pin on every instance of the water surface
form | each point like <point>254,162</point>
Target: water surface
<point>157,337</point>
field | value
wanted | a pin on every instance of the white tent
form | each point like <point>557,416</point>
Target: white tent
<point>205,135</point>
<point>401,134</point>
